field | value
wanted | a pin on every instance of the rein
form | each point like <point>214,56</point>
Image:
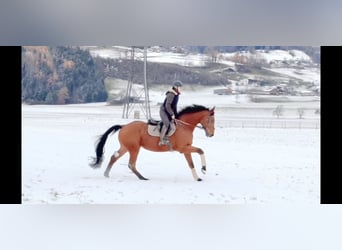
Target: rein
<point>188,124</point>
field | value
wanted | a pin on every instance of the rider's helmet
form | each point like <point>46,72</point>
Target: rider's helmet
<point>177,84</point>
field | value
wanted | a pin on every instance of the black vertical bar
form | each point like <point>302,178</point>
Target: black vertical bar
<point>10,170</point>
<point>331,177</point>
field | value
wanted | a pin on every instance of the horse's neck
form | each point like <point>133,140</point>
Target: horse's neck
<point>193,119</point>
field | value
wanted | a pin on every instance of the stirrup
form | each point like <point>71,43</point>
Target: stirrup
<point>164,141</point>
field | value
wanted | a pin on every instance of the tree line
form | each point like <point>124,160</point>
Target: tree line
<point>60,75</point>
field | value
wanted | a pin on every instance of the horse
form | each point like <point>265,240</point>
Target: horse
<point>134,135</point>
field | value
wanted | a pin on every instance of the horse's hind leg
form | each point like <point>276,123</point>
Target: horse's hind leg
<point>133,155</point>
<point>113,159</point>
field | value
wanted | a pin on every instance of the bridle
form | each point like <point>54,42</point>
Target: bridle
<point>195,126</point>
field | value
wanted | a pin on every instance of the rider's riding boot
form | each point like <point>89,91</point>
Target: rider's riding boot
<point>163,140</point>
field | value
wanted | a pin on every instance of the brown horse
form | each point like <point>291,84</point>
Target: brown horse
<point>134,135</point>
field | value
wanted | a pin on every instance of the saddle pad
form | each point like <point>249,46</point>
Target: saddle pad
<point>153,130</point>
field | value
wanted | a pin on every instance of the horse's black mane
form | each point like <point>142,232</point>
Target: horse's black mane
<point>191,109</point>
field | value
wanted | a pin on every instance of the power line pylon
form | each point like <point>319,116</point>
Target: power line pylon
<point>136,95</point>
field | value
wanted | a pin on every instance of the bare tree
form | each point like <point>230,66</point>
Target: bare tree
<point>213,54</point>
<point>300,112</point>
<point>279,110</point>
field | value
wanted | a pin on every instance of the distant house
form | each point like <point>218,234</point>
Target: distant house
<point>253,82</point>
<point>230,70</point>
<point>225,91</point>
<point>249,82</point>
<point>316,90</point>
<point>243,82</point>
<point>277,91</point>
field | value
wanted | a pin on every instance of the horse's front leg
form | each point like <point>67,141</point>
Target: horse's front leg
<point>192,167</point>
<point>187,153</point>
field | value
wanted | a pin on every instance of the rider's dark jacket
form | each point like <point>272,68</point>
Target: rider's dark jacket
<point>170,103</point>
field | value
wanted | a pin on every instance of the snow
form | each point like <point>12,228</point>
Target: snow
<point>193,59</point>
<point>309,75</point>
<point>189,60</point>
<point>283,55</point>
<point>262,164</point>
<point>178,58</point>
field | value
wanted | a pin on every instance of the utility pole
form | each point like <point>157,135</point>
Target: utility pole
<point>147,97</point>
<point>127,101</point>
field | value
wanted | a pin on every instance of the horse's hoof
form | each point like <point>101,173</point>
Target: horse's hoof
<point>106,175</point>
<point>199,179</point>
<point>204,170</point>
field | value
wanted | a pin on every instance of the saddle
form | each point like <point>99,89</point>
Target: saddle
<point>154,128</point>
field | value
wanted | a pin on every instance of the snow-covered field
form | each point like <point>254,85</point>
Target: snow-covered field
<point>245,165</point>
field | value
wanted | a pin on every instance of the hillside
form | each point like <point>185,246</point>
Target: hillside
<point>272,65</point>
<point>61,75</point>
<point>287,71</point>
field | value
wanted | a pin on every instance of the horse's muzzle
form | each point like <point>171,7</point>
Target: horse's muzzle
<point>209,134</point>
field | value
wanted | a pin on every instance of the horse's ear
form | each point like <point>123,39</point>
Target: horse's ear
<point>212,111</point>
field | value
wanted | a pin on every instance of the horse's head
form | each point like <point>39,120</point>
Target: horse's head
<point>208,123</point>
<point>195,114</point>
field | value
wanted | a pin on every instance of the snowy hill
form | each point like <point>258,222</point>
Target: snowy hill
<point>257,72</point>
<point>290,64</point>
<point>156,54</point>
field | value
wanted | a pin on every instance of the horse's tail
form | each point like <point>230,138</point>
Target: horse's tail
<point>100,145</point>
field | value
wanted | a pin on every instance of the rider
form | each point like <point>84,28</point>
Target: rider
<point>168,110</point>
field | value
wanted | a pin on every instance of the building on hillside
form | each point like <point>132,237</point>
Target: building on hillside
<point>225,91</point>
<point>278,91</point>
